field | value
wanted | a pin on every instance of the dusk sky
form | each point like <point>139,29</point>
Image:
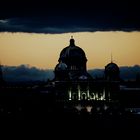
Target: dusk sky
<point>34,33</point>
<point>42,50</point>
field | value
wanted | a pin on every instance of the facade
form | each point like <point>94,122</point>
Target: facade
<point>74,83</point>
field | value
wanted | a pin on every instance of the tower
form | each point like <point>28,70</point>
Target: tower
<point>112,71</point>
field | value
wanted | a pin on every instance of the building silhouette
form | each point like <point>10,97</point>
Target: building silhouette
<point>112,72</point>
<point>72,64</point>
<point>74,83</point>
<point>73,93</point>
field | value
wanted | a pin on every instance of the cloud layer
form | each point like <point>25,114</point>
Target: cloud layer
<point>73,16</point>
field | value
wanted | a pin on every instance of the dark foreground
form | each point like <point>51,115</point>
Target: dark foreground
<point>32,108</point>
<point>39,114</point>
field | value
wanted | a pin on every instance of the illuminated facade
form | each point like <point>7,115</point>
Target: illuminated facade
<point>86,94</point>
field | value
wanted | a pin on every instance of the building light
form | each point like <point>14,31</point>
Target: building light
<point>69,94</point>
<point>79,93</point>
<point>96,96</point>
<point>88,93</point>
<point>103,94</point>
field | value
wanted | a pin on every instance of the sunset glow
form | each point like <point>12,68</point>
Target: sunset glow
<point>42,50</point>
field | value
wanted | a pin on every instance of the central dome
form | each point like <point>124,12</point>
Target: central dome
<point>72,63</point>
<point>73,56</point>
<point>72,53</point>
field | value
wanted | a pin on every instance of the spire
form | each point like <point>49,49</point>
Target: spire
<point>111,58</point>
<point>72,41</point>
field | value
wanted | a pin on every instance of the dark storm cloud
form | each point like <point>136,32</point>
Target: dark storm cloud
<point>69,16</point>
<point>39,26</point>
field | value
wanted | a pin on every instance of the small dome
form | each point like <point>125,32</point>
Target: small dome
<point>112,72</point>
<point>61,66</point>
<point>111,67</point>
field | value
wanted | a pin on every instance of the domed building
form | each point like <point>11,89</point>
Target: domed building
<point>112,72</point>
<point>72,64</point>
<point>72,81</point>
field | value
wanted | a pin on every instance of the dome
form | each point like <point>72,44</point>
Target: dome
<point>61,66</point>
<point>72,53</point>
<point>112,67</point>
<point>72,63</point>
<point>112,71</point>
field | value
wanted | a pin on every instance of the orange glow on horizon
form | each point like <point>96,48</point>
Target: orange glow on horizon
<point>42,50</point>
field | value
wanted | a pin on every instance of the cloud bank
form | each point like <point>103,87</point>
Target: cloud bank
<point>25,73</point>
<point>73,16</point>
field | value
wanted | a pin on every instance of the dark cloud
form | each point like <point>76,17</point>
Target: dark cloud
<point>69,16</point>
<point>34,25</point>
